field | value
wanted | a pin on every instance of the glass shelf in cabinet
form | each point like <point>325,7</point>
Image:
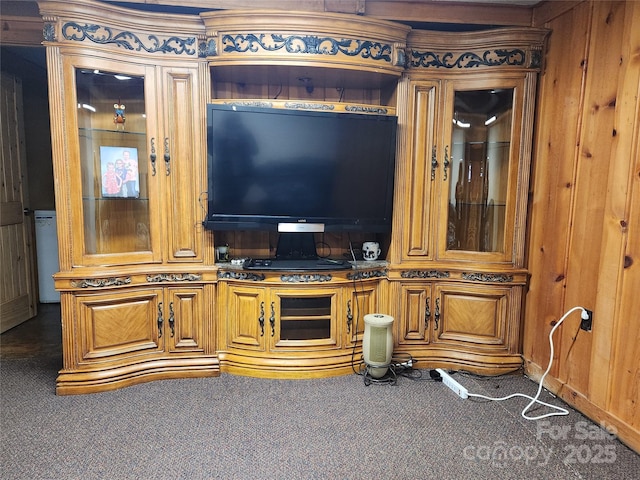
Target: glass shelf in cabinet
<point>106,130</point>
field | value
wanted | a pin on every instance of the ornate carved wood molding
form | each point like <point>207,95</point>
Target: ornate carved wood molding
<point>366,274</point>
<point>505,47</point>
<point>424,274</point>
<point>105,35</point>
<point>306,278</point>
<point>174,277</point>
<point>237,275</point>
<point>100,282</point>
<point>488,277</point>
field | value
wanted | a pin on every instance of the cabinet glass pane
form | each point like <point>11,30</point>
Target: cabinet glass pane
<point>480,147</point>
<point>112,138</point>
<point>305,318</point>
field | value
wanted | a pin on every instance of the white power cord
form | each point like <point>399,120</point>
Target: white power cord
<point>559,411</point>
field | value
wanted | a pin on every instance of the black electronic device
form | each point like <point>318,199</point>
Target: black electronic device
<point>296,265</point>
<point>299,171</point>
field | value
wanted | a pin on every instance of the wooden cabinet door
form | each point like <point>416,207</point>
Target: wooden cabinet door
<point>473,316</point>
<point>421,170</point>
<point>480,182</point>
<point>184,332</point>
<point>246,313</point>
<point>416,314</point>
<point>180,152</point>
<point>361,300</point>
<point>118,326</point>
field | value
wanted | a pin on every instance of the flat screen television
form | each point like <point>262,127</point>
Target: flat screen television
<point>299,171</point>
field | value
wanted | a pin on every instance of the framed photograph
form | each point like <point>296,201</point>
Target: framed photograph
<point>119,169</point>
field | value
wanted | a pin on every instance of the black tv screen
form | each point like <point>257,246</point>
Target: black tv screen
<point>277,169</point>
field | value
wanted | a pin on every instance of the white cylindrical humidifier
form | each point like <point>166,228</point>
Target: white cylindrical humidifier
<point>377,343</point>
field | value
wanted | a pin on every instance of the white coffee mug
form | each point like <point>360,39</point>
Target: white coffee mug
<point>370,250</point>
<point>222,253</point>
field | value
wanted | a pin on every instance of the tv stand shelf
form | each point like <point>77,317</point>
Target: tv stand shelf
<point>295,324</point>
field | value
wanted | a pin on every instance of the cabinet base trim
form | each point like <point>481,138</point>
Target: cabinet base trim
<point>289,368</point>
<point>82,382</point>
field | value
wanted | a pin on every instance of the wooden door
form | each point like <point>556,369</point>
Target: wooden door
<point>185,325</point>
<point>116,326</point>
<point>17,252</point>
<point>416,313</point>
<point>361,301</point>
<point>246,313</point>
<point>471,316</point>
<point>481,165</point>
<point>421,170</point>
<point>182,158</point>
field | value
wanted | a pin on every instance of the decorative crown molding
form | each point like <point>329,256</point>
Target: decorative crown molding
<point>488,58</point>
<point>306,44</point>
<point>104,35</point>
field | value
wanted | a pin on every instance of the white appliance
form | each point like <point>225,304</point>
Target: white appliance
<point>47,254</point>
<point>377,343</point>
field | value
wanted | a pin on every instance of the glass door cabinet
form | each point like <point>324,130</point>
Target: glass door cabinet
<point>115,164</point>
<point>479,174</point>
<point>465,170</point>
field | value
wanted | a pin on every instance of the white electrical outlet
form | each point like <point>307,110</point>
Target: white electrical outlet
<point>452,384</point>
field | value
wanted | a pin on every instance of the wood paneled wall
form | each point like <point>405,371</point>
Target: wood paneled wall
<point>584,232</point>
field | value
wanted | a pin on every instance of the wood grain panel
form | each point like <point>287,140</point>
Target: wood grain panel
<point>559,110</point>
<point>434,11</point>
<point>591,270</point>
<point>23,31</point>
<point>363,300</point>
<point>420,144</point>
<point>17,276</point>
<point>413,326</point>
<point>115,325</point>
<point>187,334</point>
<point>622,242</point>
<point>244,307</point>
<point>472,319</point>
<point>584,234</point>
<point>181,93</point>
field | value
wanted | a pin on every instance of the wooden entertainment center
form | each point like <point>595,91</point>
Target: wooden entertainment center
<point>142,296</point>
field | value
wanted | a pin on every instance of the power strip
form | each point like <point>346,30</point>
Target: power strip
<point>452,384</point>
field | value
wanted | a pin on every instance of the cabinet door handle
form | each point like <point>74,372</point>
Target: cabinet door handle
<point>427,313</point>
<point>172,320</point>
<point>436,315</point>
<point>272,318</point>
<point>167,157</point>
<point>349,316</point>
<point>261,319</point>
<point>434,163</point>
<point>153,157</point>
<point>160,320</point>
<point>446,162</point>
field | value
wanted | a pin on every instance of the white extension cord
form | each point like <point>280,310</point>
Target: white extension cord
<point>558,411</point>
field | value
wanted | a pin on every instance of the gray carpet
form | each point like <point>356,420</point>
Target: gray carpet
<point>244,428</point>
